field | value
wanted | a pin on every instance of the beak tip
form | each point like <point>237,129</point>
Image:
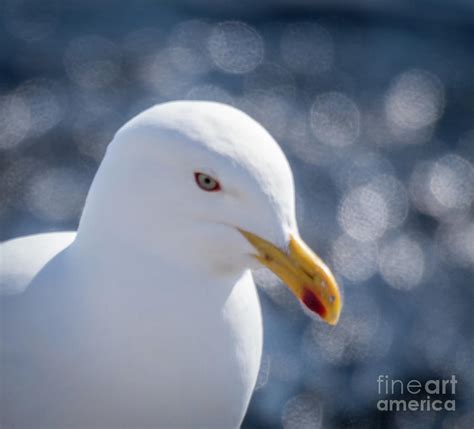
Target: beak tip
<point>304,273</point>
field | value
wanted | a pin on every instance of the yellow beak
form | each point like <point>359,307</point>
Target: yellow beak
<point>303,272</point>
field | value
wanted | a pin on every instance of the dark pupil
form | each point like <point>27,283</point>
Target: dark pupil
<point>206,181</point>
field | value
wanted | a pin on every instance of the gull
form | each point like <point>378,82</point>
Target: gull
<point>148,315</point>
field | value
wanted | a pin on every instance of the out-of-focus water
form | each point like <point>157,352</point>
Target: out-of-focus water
<point>373,103</point>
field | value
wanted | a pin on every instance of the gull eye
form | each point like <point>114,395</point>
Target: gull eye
<point>207,183</point>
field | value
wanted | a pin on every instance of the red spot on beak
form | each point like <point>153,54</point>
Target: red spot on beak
<point>313,303</point>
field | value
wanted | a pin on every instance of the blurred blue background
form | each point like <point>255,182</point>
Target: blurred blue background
<point>372,102</point>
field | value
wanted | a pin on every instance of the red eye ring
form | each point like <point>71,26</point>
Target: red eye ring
<point>206,182</point>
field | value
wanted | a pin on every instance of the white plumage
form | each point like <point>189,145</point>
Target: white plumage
<point>148,317</point>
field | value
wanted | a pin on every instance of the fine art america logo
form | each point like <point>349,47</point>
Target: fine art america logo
<point>413,395</point>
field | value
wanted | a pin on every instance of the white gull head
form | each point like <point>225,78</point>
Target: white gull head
<point>147,192</point>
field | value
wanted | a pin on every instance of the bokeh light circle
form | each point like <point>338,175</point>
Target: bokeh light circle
<point>452,182</point>
<point>395,196</point>
<point>335,119</point>
<point>235,47</point>
<point>303,411</point>
<point>44,104</point>
<point>442,187</point>
<point>402,262</point>
<point>457,243</point>
<point>363,214</point>
<point>355,260</point>
<point>414,100</point>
